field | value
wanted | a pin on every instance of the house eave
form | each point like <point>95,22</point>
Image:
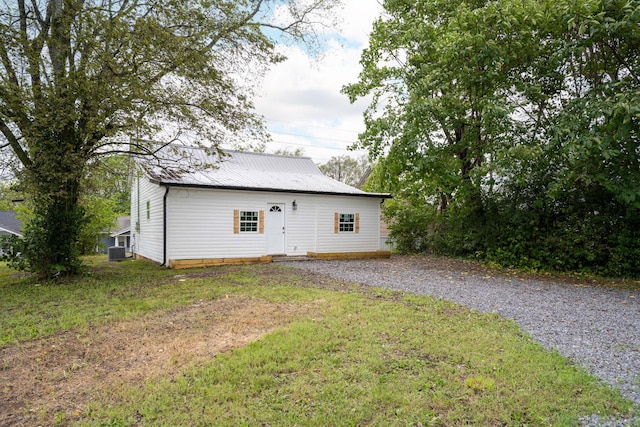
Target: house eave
<point>269,190</point>
<point>120,232</point>
<point>11,232</point>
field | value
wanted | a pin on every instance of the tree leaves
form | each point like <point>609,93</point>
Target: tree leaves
<point>345,169</point>
<point>505,118</point>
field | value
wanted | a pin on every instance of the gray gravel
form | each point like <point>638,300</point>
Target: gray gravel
<point>594,327</point>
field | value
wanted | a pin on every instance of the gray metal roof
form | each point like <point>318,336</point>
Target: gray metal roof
<point>249,171</point>
<point>9,223</point>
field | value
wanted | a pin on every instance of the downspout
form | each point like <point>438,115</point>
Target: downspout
<point>136,229</point>
<point>164,226</point>
<point>138,194</point>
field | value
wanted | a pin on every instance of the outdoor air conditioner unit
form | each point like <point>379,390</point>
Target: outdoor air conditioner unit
<point>116,253</point>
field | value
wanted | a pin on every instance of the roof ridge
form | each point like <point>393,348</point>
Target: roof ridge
<point>254,153</point>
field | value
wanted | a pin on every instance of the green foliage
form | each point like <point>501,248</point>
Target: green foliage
<point>11,249</point>
<point>105,196</point>
<point>9,192</point>
<point>96,214</point>
<point>509,130</point>
<point>99,219</point>
<point>47,253</point>
<point>29,253</point>
<point>108,178</point>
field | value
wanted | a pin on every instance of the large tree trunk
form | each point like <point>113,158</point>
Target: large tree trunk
<point>55,177</point>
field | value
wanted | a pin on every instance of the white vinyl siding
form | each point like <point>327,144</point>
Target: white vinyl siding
<point>201,224</point>
<point>367,212</point>
<point>147,219</point>
<point>301,225</point>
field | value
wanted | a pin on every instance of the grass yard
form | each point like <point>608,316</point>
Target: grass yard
<point>133,344</point>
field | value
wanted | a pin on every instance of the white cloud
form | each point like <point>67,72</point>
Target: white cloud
<point>301,98</point>
<point>358,18</point>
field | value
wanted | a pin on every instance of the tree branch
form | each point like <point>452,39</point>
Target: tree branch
<point>15,144</point>
<point>622,61</point>
<point>223,32</point>
<point>300,19</point>
<point>6,62</point>
<point>32,49</point>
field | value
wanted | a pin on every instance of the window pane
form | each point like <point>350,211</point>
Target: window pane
<point>346,217</point>
<point>346,227</point>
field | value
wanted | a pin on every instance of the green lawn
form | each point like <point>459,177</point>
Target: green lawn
<point>359,356</point>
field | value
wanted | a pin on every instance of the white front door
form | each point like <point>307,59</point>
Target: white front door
<point>274,229</point>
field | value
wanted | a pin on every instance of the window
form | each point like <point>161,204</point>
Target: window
<point>346,223</point>
<point>248,221</point>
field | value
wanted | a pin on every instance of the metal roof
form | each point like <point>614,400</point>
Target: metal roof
<point>240,170</point>
<point>9,223</point>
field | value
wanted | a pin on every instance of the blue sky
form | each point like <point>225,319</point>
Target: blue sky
<point>301,99</point>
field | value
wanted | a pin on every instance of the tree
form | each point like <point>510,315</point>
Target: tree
<point>99,218</point>
<point>508,130</point>
<point>345,169</point>
<point>261,147</point>
<point>105,195</point>
<point>80,77</point>
<point>438,71</point>
<point>297,152</point>
<point>108,177</point>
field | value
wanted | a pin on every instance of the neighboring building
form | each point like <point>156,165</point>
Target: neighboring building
<point>120,237</point>
<point>248,208</point>
<point>9,224</point>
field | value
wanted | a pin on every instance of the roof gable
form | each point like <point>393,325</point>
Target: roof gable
<point>249,171</point>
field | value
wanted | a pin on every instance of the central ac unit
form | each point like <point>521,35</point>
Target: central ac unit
<point>116,253</point>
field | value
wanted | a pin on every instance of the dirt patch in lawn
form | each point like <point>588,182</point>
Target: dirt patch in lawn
<point>58,375</point>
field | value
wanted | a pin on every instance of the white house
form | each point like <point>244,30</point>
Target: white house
<point>249,208</point>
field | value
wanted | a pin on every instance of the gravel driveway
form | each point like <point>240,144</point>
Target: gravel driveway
<point>597,327</point>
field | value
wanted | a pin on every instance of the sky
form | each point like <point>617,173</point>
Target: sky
<point>301,100</point>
